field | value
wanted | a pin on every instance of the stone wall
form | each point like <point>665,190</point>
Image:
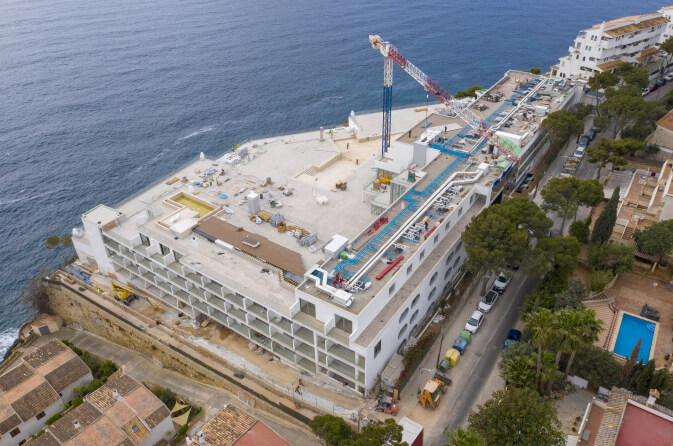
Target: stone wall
<point>81,312</point>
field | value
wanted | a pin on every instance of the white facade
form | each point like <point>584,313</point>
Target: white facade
<point>346,331</point>
<point>603,47</point>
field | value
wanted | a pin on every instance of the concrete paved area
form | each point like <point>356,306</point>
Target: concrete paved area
<point>476,375</point>
<point>570,407</point>
<point>212,399</point>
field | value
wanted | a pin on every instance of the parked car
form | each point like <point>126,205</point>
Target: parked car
<point>502,281</point>
<point>645,92</point>
<point>652,87</point>
<point>584,142</point>
<point>591,133</point>
<point>523,186</point>
<point>662,54</point>
<point>488,301</point>
<point>669,77</point>
<point>512,336</point>
<point>474,322</point>
<point>659,83</point>
<point>579,153</point>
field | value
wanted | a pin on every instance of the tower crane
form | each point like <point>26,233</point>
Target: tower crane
<point>391,54</point>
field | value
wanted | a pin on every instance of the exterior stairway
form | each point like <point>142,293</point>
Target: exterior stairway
<point>628,233</point>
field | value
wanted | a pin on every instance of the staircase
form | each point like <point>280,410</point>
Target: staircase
<point>628,233</point>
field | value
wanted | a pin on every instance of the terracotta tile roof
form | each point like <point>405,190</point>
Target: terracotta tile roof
<point>227,426</point>
<point>259,434</point>
<point>126,442</point>
<point>632,27</point>
<point>143,402</point>
<point>45,353</point>
<point>45,439</point>
<point>120,413</point>
<point>67,374</point>
<point>56,362</point>
<point>15,377</point>
<point>35,401</point>
<point>136,430</point>
<point>667,121</point>
<point>609,65</point>
<point>9,423</point>
<point>85,414</point>
<point>104,399</point>
<point>101,433</point>
<point>157,417</point>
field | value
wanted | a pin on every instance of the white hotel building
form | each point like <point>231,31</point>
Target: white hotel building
<point>605,46</point>
<point>258,250</point>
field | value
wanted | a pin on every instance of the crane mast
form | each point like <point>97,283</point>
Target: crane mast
<point>391,54</point>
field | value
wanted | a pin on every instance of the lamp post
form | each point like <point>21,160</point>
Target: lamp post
<point>420,371</point>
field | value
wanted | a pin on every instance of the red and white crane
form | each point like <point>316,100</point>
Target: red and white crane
<point>391,54</point>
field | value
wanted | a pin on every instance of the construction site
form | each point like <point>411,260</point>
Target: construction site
<point>329,250</point>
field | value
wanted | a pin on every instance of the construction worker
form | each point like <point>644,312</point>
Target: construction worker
<point>297,391</point>
<point>348,145</point>
<point>99,291</point>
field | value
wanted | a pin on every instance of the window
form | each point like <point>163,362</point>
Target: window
<point>448,273</point>
<point>436,239</point>
<point>459,245</point>
<point>164,249</point>
<point>422,256</point>
<point>592,59</point>
<point>403,315</point>
<point>391,290</point>
<point>377,349</point>
<point>456,262</point>
<point>134,428</point>
<point>307,307</point>
<point>472,196</point>
<point>410,269</point>
<point>41,415</point>
<point>434,277</point>
<point>415,301</point>
<point>413,317</point>
<point>177,256</point>
<point>432,293</point>
<point>15,432</point>
<point>22,442</point>
<point>460,211</point>
<point>343,324</point>
<point>145,240</point>
<point>402,330</point>
<point>449,258</point>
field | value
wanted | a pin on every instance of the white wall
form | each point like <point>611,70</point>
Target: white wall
<point>31,426</point>
<point>159,432</point>
<point>66,394</point>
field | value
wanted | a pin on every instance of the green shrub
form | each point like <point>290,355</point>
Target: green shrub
<point>53,419</point>
<point>76,402</point>
<point>580,230</point>
<point>167,396</point>
<point>600,278</point>
<point>93,385</point>
<point>107,368</point>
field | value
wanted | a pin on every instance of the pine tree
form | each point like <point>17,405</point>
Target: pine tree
<point>627,369</point>
<point>606,221</point>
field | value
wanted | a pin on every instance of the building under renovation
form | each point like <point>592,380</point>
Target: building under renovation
<point>314,246</point>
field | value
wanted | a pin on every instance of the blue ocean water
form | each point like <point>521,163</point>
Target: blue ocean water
<point>98,99</point>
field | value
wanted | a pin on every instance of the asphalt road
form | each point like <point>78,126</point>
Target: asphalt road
<point>484,351</point>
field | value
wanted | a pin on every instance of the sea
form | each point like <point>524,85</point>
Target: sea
<point>99,99</point>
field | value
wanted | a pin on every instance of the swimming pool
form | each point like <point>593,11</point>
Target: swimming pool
<point>632,328</point>
<point>198,206</point>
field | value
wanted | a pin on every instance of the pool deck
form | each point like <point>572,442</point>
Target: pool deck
<point>618,324</point>
<point>631,291</point>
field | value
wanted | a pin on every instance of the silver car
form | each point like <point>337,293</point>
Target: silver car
<point>488,301</point>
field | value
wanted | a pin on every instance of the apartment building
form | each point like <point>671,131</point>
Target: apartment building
<point>605,46</point>
<point>328,256</point>
<point>121,412</point>
<point>36,389</point>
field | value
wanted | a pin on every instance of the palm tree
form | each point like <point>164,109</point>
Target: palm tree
<point>547,373</point>
<point>587,331</point>
<point>567,322</point>
<point>464,437</point>
<point>519,371</point>
<point>541,325</point>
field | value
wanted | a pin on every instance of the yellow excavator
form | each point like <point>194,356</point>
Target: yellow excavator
<point>123,293</point>
<point>433,389</point>
<point>126,294</point>
<point>156,307</point>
